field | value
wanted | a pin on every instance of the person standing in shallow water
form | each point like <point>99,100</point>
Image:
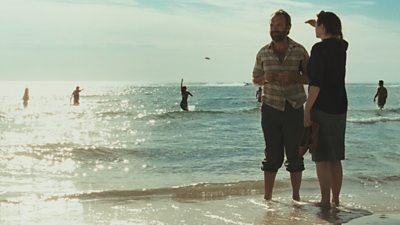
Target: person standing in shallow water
<point>185,94</point>
<point>327,104</point>
<point>280,69</point>
<point>25,98</point>
<point>259,94</point>
<point>75,95</point>
<point>382,94</point>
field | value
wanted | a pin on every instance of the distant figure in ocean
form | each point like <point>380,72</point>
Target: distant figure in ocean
<point>382,94</point>
<point>185,94</point>
<point>259,94</point>
<point>75,95</point>
<point>25,98</point>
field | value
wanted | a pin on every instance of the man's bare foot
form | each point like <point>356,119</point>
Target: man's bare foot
<point>267,198</point>
<point>296,197</point>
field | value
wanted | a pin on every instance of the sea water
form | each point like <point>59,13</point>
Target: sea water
<point>129,155</point>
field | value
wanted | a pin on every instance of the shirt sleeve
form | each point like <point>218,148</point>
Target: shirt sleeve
<point>316,67</point>
<point>258,70</point>
<point>304,63</point>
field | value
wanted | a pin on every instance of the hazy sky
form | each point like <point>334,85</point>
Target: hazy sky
<point>165,40</point>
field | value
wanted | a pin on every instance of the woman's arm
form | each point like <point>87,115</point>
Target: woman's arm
<point>312,96</point>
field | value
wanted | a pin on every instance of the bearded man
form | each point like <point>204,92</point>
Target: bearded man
<point>280,69</point>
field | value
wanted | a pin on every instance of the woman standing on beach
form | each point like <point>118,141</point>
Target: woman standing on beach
<point>327,103</point>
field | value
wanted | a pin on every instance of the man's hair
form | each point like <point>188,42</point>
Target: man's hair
<point>381,82</point>
<point>331,22</point>
<point>283,13</point>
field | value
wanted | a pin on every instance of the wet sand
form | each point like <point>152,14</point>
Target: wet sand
<point>377,219</point>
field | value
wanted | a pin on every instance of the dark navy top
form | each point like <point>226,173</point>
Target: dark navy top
<point>327,70</point>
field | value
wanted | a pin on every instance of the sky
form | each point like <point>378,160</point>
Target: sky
<point>166,40</point>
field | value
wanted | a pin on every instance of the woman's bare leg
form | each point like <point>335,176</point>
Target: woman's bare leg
<point>324,179</point>
<point>337,179</point>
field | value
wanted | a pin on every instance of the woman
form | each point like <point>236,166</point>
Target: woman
<point>185,94</point>
<point>327,103</point>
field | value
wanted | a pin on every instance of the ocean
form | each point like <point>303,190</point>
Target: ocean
<point>128,155</point>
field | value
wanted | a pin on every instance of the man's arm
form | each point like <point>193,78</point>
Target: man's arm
<point>303,79</point>
<point>300,76</point>
<point>304,75</point>
<point>258,72</point>
<point>265,78</point>
<point>376,95</point>
<point>292,77</point>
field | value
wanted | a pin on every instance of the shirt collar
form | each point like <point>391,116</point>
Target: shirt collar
<point>292,44</point>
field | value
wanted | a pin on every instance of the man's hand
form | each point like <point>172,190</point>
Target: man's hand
<point>270,76</point>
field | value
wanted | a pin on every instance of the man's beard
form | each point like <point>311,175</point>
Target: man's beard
<point>277,36</point>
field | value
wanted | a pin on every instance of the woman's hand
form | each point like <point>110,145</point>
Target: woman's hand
<point>312,22</point>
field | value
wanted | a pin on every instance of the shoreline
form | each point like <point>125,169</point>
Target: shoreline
<point>188,206</point>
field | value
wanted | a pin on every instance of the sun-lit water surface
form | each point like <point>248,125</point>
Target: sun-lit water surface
<point>128,144</point>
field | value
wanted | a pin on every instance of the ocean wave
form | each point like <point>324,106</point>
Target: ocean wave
<point>379,179</point>
<point>375,111</point>
<point>212,191</point>
<point>395,110</point>
<point>174,113</point>
<point>372,120</point>
<point>59,152</point>
<point>179,113</point>
<point>217,84</point>
<point>5,201</point>
<point>114,113</point>
<point>102,153</point>
<point>199,191</point>
<point>202,191</point>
